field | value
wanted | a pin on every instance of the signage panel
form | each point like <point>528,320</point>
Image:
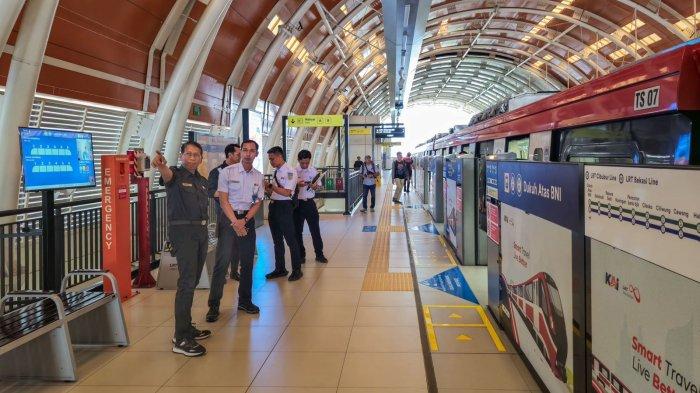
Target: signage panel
<point>550,191</point>
<point>493,219</point>
<point>360,131</point>
<point>389,132</point>
<point>537,301</point>
<point>492,179</point>
<point>645,335</point>
<point>316,121</point>
<point>453,203</point>
<point>652,213</point>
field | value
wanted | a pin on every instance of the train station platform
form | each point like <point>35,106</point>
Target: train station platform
<point>352,325</point>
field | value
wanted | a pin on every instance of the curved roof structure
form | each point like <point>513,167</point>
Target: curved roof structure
<point>333,53</point>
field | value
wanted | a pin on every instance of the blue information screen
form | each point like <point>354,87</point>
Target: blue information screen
<point>53,159</point>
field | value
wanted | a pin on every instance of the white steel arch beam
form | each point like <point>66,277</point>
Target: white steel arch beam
<point>566,18</point>
<point>471,72</point>
<point>9,11</point>
<point>257,82</point>
<point>492,34</point>
<point>657,18</point>
<point>22,79</point>
<point>182,71</point>
<point>176,127</point>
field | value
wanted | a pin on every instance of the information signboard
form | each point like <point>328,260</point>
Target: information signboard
<point>316,121</point>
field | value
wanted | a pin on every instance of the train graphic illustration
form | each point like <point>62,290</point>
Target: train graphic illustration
<point>604,381</point>
<point>538,302</point>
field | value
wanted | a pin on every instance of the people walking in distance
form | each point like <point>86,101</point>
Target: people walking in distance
<point>369,182</point>
<point>409,175</point>
<point>398,176</point>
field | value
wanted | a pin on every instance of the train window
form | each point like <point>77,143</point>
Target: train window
<point>662,139</point>
<point>555,300</point>
<point>485,148</point>
<point>520,147</point>
<point>538,154</point>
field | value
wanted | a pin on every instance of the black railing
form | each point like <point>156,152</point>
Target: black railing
<point>354,194</point>
<point>78,237</point>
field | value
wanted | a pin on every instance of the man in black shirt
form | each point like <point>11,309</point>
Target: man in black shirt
<point>358,164</point>
<point>398,176</point>
<point>187,204</point>
<point>233,156</point>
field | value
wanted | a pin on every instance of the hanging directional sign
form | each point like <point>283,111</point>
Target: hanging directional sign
<point>386,131</point>
<point>360,131</point>
<point>453,282</point>
<point>316,121</point>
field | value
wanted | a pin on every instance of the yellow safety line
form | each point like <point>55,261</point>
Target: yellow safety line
<point>430,330</point>
<point>491,330</point>
<point>430,326</point>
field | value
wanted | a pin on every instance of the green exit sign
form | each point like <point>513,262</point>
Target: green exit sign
<point>196,110</point>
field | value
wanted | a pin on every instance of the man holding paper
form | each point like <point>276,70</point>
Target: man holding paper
<point>309,181</point>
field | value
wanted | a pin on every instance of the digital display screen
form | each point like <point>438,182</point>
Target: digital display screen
<point>53,159</point>
<point>389,132</point>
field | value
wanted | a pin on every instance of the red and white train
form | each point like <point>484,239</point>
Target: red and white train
<point>538,303</point>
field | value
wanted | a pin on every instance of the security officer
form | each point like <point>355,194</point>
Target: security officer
<point>233,156</point>
<point>187,202</point>
<point>306,210</point>
<point>241,194</point>
<point>280,217</point>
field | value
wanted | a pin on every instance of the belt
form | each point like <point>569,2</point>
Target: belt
<point>241,212</point>
<point>188,222</point>
<point>306,199</point>
<point>280,201</point>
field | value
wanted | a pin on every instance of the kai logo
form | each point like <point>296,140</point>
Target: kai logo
<point>612,281</point>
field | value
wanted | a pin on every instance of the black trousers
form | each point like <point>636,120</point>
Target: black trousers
<point>190,243</point>
<point>366,189</point>
<point>235,256</point>
<point>307,211</point>
<point>407,182</point>
<point>229,244</point>
<point>281,220</point>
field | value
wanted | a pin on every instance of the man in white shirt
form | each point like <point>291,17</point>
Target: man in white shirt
<point>306,210</point>
<point>240,195</point>
<point>281,189</point>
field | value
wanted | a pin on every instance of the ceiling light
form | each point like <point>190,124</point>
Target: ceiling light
<point>275,24</point>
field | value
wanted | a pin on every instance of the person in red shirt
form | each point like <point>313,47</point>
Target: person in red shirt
<point>409,167</point>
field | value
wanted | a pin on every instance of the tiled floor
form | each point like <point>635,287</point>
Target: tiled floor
<point>320,334</point>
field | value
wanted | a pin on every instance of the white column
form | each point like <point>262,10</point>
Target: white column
<point>19,94</point>
<point>176,127</point>
<point>252,93</point>
<point>181,73</point>
<point>9,11</point>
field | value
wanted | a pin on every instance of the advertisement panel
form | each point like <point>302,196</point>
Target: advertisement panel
<point>537,306</point>
<point>213,148</point>
<point>649,212</point>
<point>645,331</point>
<point>453,203</point>
<point>539,217</point>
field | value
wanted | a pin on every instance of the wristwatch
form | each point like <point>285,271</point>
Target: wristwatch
<point>245,218</point>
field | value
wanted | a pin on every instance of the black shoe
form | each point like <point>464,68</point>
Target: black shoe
<point>200,334</point>
<point>276,273</point>
<point>213,314</point>
<point>297,274</point>
<point>189,347</point>
<point>322,259</point>
<point>236,276</point>
<point>250,308</point>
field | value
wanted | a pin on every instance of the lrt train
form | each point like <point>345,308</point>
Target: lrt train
<point>538,303</point>
<point>645,113</point>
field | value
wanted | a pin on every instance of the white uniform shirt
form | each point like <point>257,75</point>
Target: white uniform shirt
<point>284,177</point>
<point>243,188</point>
<point>307,175</point>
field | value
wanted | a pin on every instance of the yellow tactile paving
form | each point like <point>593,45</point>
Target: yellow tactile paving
<point>377,277</point>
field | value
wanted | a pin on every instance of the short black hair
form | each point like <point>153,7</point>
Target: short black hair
<point>276,150</point>
<point>191,143</point>
<point>231,148</point>
<point>303,154</point>
<point>257,147</point>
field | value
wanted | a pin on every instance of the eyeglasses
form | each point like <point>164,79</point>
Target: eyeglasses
<point>195,155</point>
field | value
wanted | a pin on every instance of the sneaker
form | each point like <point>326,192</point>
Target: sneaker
<point>213,314</point>
<point>200,334</point>
<point>250,308</point>
<point>363,210</point>
<point>397,201</point>
<point>322,259</point>
<point>236,276</point>
<point>189,347</point>
<point>276,273</point>
<point>371,209</point>
<point>297,274</point>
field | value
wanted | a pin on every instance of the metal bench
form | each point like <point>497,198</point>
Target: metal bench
<point>36,340</point>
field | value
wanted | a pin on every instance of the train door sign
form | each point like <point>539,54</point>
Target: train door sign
<point>644,230</point>
<point>540,230</point>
